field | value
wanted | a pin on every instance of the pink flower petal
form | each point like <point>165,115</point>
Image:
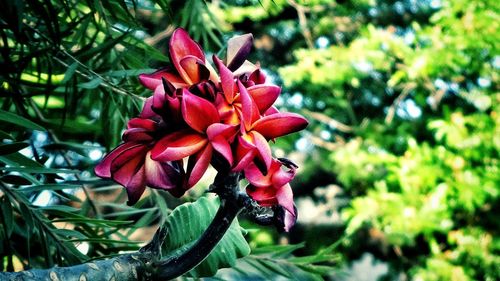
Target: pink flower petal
<point>194,69</point>
<point>153,80</point>
<point>238,49</point>
<point>198,165</point>
<point>146,124</point>
<point>180,46</point>
<point>226,79</point>
<point>103,169</point>
<point>271,110</point>
<point>265,196</point>
<point>220,135</point>
<point>279,124</point>
<point>263,148</point>
<point>256,178</point>
<point>161,175</point>
<point>147,109</point>
<point>135,187</point>
<point>198,112</point>
<point>249,110</point>
<point>284,196</point>
<point>282,177</point>
<point>128,170</point>
<point>264,96</point>
<point>244,157</point>
<point>178,145</point>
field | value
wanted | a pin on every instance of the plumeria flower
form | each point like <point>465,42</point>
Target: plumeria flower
<point>257,130</point>
<point>273,188</point>
<point>130,164</point>
<point>222,116</point>
<point>198,141</point>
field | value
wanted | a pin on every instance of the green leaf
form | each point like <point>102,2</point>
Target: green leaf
<point>18,120</point>
<point>12,147</point>
<point>70,72</point>
<point>186,224</point>
<point>5,135</point>
<point>8,217</point>
<point>92,84</point>
<point>40,170</point>
<point>17,159</point>
<point>278,250</point>
<point>42,187</point>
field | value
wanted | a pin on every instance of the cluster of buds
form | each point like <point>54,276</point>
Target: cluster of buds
<point>223,116</point>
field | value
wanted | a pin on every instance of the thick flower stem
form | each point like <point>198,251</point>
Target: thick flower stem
<point>128,267</point>
<point>146,264</point>
<point>231,204</point>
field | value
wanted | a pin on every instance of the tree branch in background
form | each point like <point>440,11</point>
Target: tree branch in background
<point>146,264</point>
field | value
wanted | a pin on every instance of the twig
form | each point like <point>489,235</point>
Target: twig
<point>55,139</point>
<point>104,82</point>
<point>404,93</point>
<point>329,121</point>
<point>301,13</point>
<point>160,36</point>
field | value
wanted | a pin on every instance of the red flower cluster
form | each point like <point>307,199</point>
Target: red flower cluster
<point>224,117</point>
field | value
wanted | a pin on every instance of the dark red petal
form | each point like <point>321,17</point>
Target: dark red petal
<point>198,165</point>
<point>279,124</point>
<point>128,170</point>
<point>103,169</point>
<point>137,135</point>
<point>178,145</point>
<point>249,110</point>
<point>128,163</point>
<point>238,49</point>
<point>136,186</point>
<point>226,80</point>
<point>181,45</point>
<point>198,112</point>
<point>146,124</point>
<point>264,96</point>
<point>194,69</point>
<point>258,76</point>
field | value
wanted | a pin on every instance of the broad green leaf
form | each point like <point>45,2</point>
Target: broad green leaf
<point>19,120</point>
<point>186,224</point>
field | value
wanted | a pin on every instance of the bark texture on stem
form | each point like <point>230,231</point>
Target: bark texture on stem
<point>146,264</point>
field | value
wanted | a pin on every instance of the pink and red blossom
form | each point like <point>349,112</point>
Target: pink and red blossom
<point>222,116</point>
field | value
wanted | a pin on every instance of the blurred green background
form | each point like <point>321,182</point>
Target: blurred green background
<point>399,168</point>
